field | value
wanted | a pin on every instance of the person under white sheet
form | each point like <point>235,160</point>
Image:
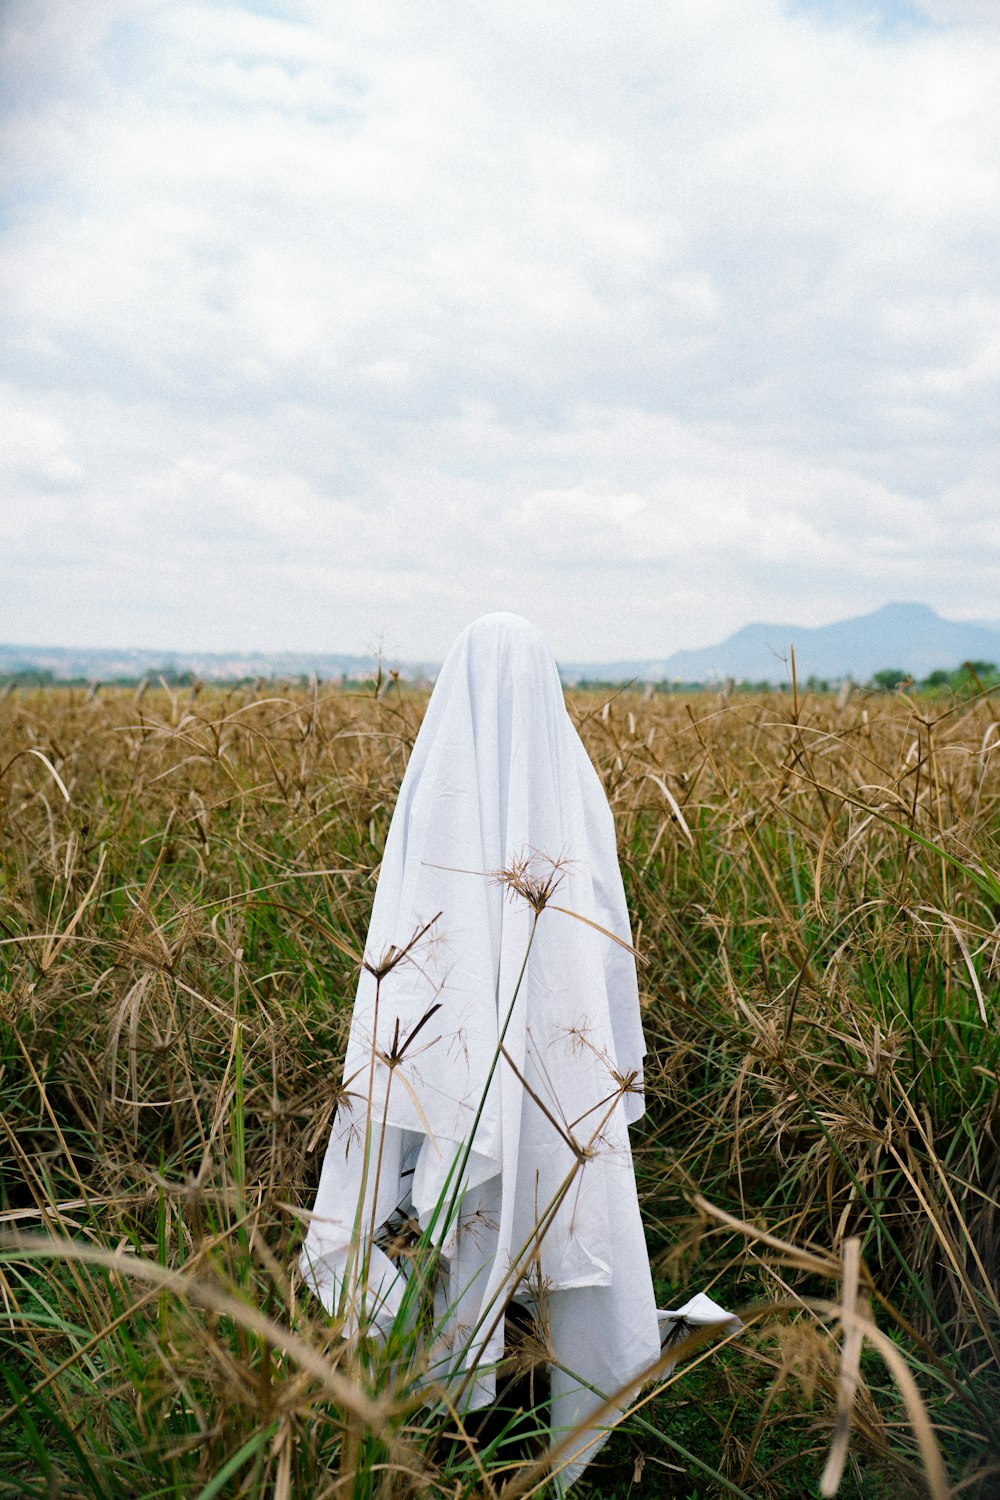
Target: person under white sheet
<point>495,1055</point>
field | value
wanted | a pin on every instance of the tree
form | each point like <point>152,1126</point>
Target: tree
<point>890,678</point>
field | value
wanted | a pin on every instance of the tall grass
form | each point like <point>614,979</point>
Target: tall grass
<point>187,878</point>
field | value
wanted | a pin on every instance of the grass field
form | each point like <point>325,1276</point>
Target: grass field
<point>187,878</point>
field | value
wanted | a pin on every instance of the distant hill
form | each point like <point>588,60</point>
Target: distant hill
<point>910,637</point>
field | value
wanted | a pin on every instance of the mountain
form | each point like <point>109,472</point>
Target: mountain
<point>910,637</point>
<point>907,636</point>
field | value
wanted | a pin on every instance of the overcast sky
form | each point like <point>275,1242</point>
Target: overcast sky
<point>645,318</point>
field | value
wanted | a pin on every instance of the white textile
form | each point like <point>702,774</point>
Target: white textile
<point>698,1312</point>
<point>498,781</point>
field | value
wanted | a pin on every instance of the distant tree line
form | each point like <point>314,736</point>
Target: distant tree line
<point>971,676</point>
<point>977,675</point>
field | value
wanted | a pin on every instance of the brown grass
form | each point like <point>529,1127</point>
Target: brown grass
<point>186,886</point>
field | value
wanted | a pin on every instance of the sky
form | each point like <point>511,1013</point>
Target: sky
<point>329,325</point>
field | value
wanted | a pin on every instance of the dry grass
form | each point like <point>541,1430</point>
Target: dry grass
<point>186,884</point>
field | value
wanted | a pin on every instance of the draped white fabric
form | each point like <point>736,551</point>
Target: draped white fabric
<point>498,781</point>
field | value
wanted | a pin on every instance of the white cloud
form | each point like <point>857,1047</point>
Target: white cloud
<point>647,320</point>
<point>35,448</point>
<point>977,14</point>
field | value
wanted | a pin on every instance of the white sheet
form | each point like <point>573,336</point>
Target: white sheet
<point>499,780</point>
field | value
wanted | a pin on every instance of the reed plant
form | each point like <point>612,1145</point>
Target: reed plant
<point>187,876</point>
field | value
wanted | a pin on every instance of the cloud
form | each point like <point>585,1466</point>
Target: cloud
<point>979,15</point>
<point>34,448</point>
<point>644,320</point>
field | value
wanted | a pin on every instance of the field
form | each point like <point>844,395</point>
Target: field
<point>186,882</point>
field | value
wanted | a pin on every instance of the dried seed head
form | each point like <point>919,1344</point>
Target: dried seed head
<point>532,876</point>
